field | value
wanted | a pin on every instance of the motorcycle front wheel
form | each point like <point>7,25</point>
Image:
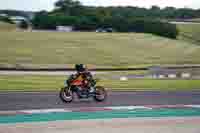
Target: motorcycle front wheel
<point>66,95</point>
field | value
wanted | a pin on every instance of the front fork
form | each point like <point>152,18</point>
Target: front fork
<point>67,86</point>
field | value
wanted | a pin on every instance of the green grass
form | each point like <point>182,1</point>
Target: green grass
<point>54,83</point>
<point>152,84</point>
<point>50,49</point>
<point>194,20</point>
<point>189,32</point>
<point>6,26</point>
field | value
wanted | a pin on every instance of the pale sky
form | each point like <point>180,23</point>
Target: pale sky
<point>36,5</point>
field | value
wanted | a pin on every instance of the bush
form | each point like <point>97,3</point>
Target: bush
<point>23,25</point>
<point>46,21</point>
<point>43,21</point>
<point>155,27</point>
<point>6,19</point>
<point>86,23</point>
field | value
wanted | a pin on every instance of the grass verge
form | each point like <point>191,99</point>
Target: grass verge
<point>189,32</point>
<point>54,49</point>
<point>7,27</point>
<point>54,83</point>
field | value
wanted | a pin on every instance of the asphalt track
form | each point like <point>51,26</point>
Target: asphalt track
<point>48,100</point>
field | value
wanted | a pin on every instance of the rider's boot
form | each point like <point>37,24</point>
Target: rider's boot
<point>91,89</point>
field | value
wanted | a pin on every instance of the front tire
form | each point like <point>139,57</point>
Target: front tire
<point>65,95</point>
<point>100,94</point>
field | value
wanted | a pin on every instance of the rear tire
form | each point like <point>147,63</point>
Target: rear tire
<point>65,95</point>
<point>100,94</point>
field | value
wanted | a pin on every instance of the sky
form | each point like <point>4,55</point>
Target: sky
<point>37,5</point>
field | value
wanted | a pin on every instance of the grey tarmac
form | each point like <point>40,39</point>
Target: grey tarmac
<point>10,101</point>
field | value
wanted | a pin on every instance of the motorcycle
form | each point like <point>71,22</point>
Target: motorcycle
<point>80,88</point>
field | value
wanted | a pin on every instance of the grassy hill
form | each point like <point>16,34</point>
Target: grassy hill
<point>6,26</point>
<point>190,32</point>
<point>194,20</point>
<point>99,49</point>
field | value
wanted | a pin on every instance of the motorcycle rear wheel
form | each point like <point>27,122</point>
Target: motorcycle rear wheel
<point>100,94</point>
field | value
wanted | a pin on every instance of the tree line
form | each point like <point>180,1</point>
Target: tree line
<point>6,19</point>
<point>122,19</point>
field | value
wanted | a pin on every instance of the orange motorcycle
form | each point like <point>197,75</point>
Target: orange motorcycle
<point>82,90</point>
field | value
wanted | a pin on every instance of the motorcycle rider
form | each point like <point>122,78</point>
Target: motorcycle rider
<point>84,75</point>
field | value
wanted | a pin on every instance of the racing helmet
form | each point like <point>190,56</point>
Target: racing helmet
<point>80,67</point>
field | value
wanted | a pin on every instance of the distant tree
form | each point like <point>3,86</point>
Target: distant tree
<point>43,20</point>
<point>155,11</point>
<point>169,12</point>
<point>86,23</point>
<point>69,7</point>
<point>186,13</point>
